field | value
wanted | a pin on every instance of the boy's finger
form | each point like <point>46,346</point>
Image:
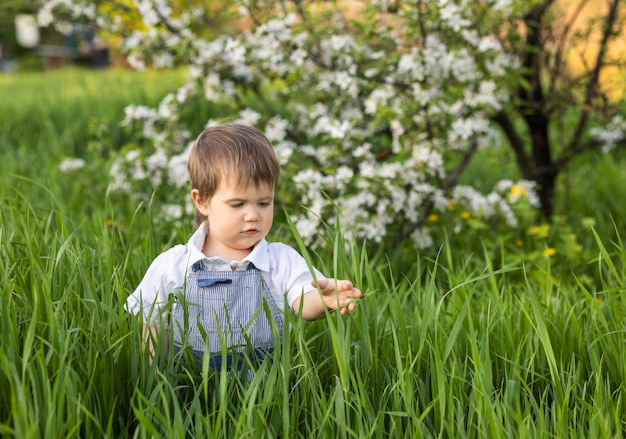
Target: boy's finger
<point>319,284</point>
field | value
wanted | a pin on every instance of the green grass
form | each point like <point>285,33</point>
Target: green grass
<point>449,346</point>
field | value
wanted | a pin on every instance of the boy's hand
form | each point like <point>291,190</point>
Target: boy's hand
<point>338,294</point>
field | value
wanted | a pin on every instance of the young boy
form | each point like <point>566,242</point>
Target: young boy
<point>221,279</point>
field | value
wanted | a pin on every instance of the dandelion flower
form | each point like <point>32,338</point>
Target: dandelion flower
<point>518,191</point>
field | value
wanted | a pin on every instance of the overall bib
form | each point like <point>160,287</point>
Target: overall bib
<point>225,309</point>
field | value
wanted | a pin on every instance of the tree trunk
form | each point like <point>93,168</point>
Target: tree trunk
<point>543,170</point>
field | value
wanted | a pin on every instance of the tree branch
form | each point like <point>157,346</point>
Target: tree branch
<point>455,174</point>
<point>579,148</point>
<point>531,61</point>
<point>592,85</point>
<point>516,142</point>
<point>300,9</point>
<point>560,49</point>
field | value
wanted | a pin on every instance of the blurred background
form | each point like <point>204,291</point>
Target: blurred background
<point>24,46</point>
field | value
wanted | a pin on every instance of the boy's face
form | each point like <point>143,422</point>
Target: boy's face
<point>238,218</point>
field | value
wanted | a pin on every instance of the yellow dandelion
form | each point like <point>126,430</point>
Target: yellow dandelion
<point>451,205</point>
<point>518,191</point>
<point>550,251</point>
<point>519,243</point>
<point>534,230</point>
<point>466,215</point>
<point>433,217</point>
<point>598,301</point>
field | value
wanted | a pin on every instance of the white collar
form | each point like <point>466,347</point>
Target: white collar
<point>259,256</point>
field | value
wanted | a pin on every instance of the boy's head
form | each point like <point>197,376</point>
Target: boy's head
<point>231,150</point>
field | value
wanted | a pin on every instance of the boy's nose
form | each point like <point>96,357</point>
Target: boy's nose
<point>251,215</point>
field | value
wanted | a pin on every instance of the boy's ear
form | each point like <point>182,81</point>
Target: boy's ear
<point>198,201</point>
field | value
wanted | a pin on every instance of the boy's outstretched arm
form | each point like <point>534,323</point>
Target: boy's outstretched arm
<point>335,294</point>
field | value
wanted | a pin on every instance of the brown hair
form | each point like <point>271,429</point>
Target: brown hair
<point>230,149</point>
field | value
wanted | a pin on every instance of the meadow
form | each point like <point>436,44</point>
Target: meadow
<point>466,341</point>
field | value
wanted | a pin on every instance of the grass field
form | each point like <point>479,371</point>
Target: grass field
<point>450,345</point>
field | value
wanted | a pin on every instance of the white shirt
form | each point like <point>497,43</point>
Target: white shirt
<point>284,270</point>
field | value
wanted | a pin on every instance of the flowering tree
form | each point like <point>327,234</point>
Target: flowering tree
<point>556,106</point>
<point>374,113</point>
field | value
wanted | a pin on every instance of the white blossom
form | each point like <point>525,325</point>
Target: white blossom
<point>284,151</point>
<point>335,93</point>
<point>452,16</point>
<point>172,210</point>
<point>136,61</point>
<point>132,155</point>
<point>378,97</point>
<point>334,128</point>
<point>249,117</point>
<point>178,173</point>
<point>276,129</point>
<point>422,238</point>
<point>149,15</point>
<point>71,164</point>
<point>411,65</point>
<point>163,60</point>
<point>307,226</point>
<point>119,178</point>
<point>502,5</point>
<point>156,161</point>
<point>610,135</point>
<point>212,87</point>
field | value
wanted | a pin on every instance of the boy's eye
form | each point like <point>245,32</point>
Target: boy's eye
<point>265,203</point>
<point>236,205</point>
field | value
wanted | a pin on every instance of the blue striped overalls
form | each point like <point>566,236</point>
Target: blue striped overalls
<point>225,307</point>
